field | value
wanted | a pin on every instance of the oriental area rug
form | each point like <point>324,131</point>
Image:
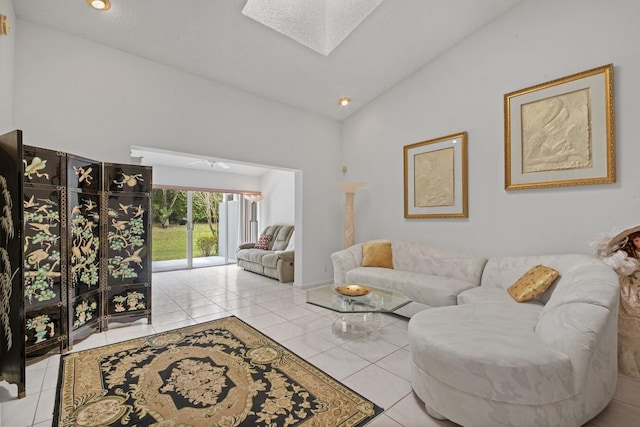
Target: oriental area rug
<point>219,373</point>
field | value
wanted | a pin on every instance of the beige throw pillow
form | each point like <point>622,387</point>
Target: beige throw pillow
<point>377,254</point>
<point>533,283</point>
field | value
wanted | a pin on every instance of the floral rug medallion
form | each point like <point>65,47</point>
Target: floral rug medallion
<point>219,373</point>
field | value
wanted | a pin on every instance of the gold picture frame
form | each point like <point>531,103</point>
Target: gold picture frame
<point>561,133</point>
<point>435,178</point>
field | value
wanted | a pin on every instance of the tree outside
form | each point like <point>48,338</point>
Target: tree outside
<point>168,206</point>
<point>169,223</point>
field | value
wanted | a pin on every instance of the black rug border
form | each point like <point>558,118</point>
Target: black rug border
<point>56,410</point>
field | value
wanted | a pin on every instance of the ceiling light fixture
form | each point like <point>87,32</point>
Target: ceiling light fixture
<point>344,101</point>
<point>253,198</point>
<point>210,163</point>
<point>100,4</point>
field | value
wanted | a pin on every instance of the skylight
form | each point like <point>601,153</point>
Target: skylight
<point>318,24</point>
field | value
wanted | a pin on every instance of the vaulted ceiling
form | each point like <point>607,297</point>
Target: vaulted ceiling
<point>215,40</point>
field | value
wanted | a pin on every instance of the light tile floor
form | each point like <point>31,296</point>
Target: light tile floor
<point>378,369</point>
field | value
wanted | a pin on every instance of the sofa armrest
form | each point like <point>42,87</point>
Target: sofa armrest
<point>286,255</point>
<point>246,246</point>
<point>345,260</point>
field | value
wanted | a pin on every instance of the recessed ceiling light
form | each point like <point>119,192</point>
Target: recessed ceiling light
<point>100,4</point>
<point>344,101</point>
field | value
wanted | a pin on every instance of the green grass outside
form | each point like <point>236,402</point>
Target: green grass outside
<point>171,243</point>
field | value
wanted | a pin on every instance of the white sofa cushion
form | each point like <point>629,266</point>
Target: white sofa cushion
<point>491,351</point>
<point>421,258</point>
<point>485,294</point>
<point>430,290</point>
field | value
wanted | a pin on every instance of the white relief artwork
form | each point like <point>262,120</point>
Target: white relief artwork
<point>556,133</point>
<point>434,180</point>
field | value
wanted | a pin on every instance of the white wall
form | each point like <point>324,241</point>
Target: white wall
<point>7,53</point>
<point>90,100</point>
<point>201,179</point>
<point>278,205</point>
<point>228,214</point>
<point>537,41</point>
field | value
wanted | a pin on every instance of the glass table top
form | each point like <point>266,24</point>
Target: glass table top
<point>378,300</point>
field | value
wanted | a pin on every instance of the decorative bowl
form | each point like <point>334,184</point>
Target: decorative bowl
<point>353,290</point>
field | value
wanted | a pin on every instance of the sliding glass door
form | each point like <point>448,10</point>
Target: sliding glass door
<point>170,231</point>
<point>194,228</point>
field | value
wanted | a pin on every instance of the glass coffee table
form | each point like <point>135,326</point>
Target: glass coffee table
<point>357,316</point>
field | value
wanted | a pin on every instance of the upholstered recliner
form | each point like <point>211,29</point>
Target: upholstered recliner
<point>276,261</point>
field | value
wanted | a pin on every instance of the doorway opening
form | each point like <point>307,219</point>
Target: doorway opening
<point>194,228</point>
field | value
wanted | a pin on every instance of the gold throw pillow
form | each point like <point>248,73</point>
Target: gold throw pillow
<point>377,254</point>
<point>533,283</point>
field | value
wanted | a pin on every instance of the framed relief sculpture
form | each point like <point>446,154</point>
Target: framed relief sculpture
<point>435,178</point>
<point>561,132</point>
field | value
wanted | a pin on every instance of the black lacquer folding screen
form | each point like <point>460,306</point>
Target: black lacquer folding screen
<point>12,325</point>
<point>44,248</point>
<point>84,201</point>
<point>75,250</point>
<point>128,242</point>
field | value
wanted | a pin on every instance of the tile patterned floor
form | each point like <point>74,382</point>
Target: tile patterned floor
<point>377,369</point>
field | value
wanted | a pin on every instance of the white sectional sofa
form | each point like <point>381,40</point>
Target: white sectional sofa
<point>487,360</point>
<point>431,277</point>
